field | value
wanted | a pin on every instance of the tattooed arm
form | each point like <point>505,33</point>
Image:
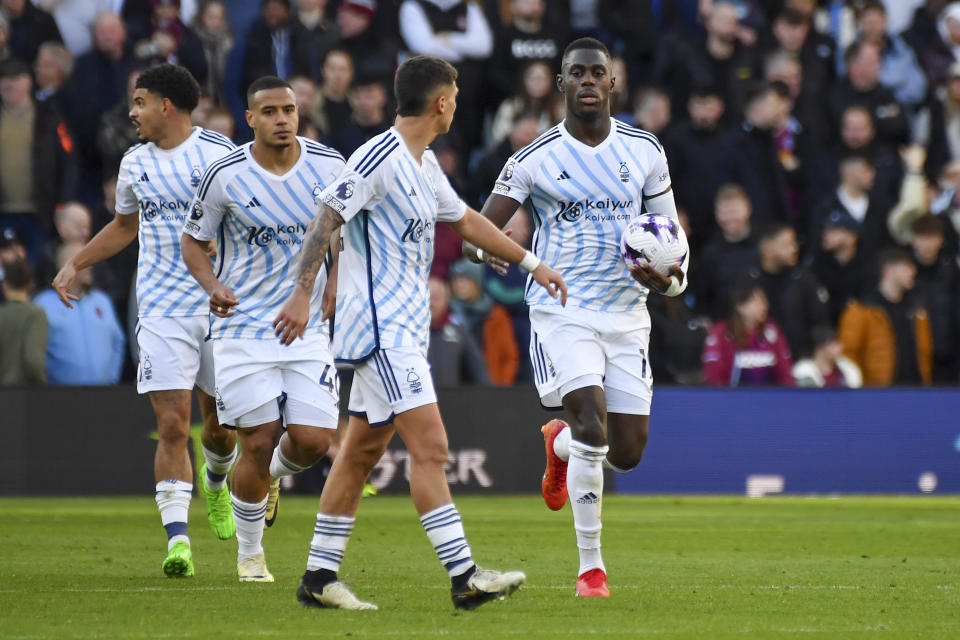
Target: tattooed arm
<point>295,315</point>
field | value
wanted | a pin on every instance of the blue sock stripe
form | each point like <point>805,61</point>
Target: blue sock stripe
<point>441,517</point>
<point>175,529</point>
<point>321,532</point>
<point>333,524</point>
<point>332,552</point>
<point>451,565</point>
<point>215,477</point>
<point>319,555</point>
<point>442,514</point>
<point>453,553</point>
<point>253,509</point>
<point>444,545</point>
<point>445,523</point>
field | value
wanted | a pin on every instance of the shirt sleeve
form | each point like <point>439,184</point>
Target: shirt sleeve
<point>208,209</point>
<point>450,207</point>
<point>351,192</point>
<point>658,178</point>
<point>514,181</point>
<point>126,198</point>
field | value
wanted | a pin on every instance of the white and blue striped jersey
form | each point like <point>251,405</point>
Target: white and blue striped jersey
<point>259,220</point>
<point>583,198</point>
<point>160,185</point>
<point>391,205</point>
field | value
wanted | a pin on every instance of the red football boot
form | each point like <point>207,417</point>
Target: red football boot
<point>554,483</point>
<point>593,584</point>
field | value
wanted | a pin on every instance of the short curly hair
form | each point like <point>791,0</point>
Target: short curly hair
<point>172,82</point>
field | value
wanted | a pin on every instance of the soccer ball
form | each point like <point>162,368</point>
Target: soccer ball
<point>656,239</point>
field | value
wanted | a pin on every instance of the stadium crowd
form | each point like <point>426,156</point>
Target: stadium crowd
<point>814,149</point>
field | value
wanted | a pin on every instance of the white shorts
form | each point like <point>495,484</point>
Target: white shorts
<point>174,354</point>
<point>390,382</point>
<point>572,348</point>
<point>253,375</point>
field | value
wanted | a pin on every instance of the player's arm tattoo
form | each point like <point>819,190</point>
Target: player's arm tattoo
<point>315,245</point>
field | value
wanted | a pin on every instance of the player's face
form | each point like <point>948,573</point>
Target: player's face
<point>586,83</point>
<point>447,102</point>
<point>273,117</point>
<point>146,114</point>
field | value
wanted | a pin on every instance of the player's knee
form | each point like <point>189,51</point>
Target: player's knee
<point>431,453</point>
<point>172,431</point>
<point>588,427</point>
<point>311,444</point>
<point>625,454</point>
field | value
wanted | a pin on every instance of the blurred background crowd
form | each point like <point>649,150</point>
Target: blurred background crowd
<point>814,147</point>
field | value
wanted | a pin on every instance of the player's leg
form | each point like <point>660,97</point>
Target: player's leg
<point>219,445</point>
<point>218,442</point>
<point>174,477</point>
<point>361,447</point>
<point>300,447</point>
<point>628,434</point>
<point>587,448</point>
<point>256,433</point>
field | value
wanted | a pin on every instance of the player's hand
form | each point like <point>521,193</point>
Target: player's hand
<point>328,301</point>
<point>653,279</point>
<point>222,302</point>
<point>62,283</point>
<point>293,318</point>
<point>552,281</point>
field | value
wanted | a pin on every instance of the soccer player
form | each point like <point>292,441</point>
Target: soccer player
<point>157,180</point>
<point>391,196</point>
<point>257,202</point>
<point>587,177</point>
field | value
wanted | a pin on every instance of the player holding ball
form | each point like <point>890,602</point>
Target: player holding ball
<point>588,178</point>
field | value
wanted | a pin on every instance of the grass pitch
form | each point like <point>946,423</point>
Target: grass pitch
<point>678,567</point>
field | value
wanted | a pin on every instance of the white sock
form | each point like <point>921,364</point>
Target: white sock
<point>445,531</point>
<point>218,467</point>
<point>280,466</point>
<point>249,517</point>
<point>561,444</point>
<point>173,500</point>
<point>585,486</point>
<point>330,537</point>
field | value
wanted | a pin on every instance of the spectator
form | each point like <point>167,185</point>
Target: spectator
<point>276,44</point>
<point>368,98</point>
<point>797,300</point>
<point>652,111</point>
<point>861,86</point>
<point>838,262</point>
<point>169,40</point>
<point>888,334</point>
<point>854,198</point>
<point>727,258</point>
<point>621,104</point>
<point>23,328</point>
<point>694,147</point>
<point>899,70</point>
<point>722,61</point>
<point>29,28</point>
<point>526,128</point>
<point>86,344</point>
<point>72,222</point>
<point>827,367</point>
<point>216,38</point>
<point>858,137</point>
<point>221,121</point>
<point>938,126</point>
<point>526,37</point>
<point>53,66</point>
<point>747,349</point>
<point>367,34</point>
<point>321,34</point>
<point>940,50</point>
<point>117,134</point>
<point>938,290</point>
<point>75,19</point>
<point>791,32</point>
<point>454,356</point>
<point>458,32</point>
<point>330,110</point>
<point>488,322</point>
<point>793,150</point>
<point>36,163</point>
<point>98,83</point>
<point>306,93</point>
<point>533,97</point>
<point>4,38</point>
<point>752,159</point>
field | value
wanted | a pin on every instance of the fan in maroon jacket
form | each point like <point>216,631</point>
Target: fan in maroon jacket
<point>747,349</point>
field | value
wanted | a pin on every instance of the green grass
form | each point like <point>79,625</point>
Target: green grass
<point>679,567</point>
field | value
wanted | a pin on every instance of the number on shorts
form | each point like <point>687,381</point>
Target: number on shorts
<point>332,383</point>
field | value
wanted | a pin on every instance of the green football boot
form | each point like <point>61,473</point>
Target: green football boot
<point>179,561</point>
<point>219,508</point>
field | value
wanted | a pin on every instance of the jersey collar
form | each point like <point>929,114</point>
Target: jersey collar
<point>585,148</point>
<point>267,174</point>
